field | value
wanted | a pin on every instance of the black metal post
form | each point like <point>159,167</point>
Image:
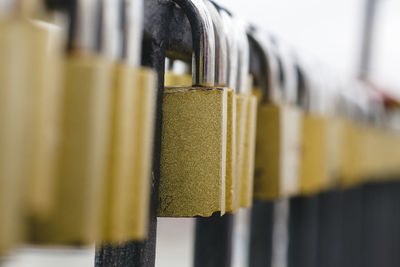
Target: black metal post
<point>213,241</point>
<point>303,231</point>
<point>261,226</point>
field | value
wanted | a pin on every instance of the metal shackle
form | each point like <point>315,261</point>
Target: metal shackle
<point>233,64</point>
<point>203,39</point>
<point>83,26</point>
<point>288,73</point>
<point>110,39</point>
<point>221,47</point>
<point>244,57</point>
<point>132,28</point>
<point>271,92</point>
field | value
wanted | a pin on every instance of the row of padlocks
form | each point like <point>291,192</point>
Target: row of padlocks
<point>77,122</point>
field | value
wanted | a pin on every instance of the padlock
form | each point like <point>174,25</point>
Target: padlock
<point>81,171</point>
<point>139,183</point>
<point>225,74</point>
<point>14,85</point>
<point>247,125</point>
<point>42,140</point>
<point>123,114</point>
<point>278,133</point>
<point>314,168</point>
<point>193,150</point>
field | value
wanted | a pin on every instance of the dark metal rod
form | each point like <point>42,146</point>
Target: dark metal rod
<point>368,32</point>
<point>261,226</point>
<point>213,241</point>
<point>303,231</point>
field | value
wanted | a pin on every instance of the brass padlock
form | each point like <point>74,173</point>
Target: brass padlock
<point>81,171</point>
<point>44,112</point>
<point>14,86</point>
<point>247,124</point>
<point>193,150</point>
<point>314,175</point>
<point>225,76</point>
<point>278,133</point>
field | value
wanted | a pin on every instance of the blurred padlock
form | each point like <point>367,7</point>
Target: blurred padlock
<point>193,153</point>
<point>314,158</point>
<point>278,133</point>
<point>44,110</point>
<point>247,104</point>
<point>225,69</point>
<point>123,115</point>
<point>85,129</point>
<point>14,86</point>
<point>128,185</point>
<point>145,92</point>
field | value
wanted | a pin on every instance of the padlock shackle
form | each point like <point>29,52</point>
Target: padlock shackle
<point>110,34</point>
<point>243,57</point>
<point>203,38</point>
<point>221,47</point>
<point>290,86</point>
<point>132,28</point>
<point>232,46</point>
<point>271,92</point>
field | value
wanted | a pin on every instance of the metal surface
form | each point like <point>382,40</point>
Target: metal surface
<point>110,36</point>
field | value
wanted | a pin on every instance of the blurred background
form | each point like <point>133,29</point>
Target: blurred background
<point>329,30</point>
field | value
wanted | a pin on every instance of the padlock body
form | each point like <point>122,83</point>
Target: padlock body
<point>140,182</point>
<point>43,115</point>
<point>82,166</point>
<point>121,153</point>
<point>278,142</point>
<point>193,152</point>
<point>232,192</point>
<point>242,108</point>
<point>14,85</point>
<point>246,192</point>
<point>314,165</point>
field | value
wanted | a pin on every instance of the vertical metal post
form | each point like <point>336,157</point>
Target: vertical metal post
<point>368,31</point>
<point>330,229</point>
<point>352,231</point>
<point>303,231</point>
<point>213,241</point>
<point>260,254</point>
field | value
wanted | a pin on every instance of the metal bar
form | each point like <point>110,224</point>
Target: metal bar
<point>352,227</point>
<point>261,225</point>
<point>381,218</point>
<point>369,23</point>
<point>330,229</point>
<point>303,231</point>
<point>213,241</point>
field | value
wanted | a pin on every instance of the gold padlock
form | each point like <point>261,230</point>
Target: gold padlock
<point>123,115</point>
<point>43,116</point>
<point>278,134</point>
<point>247,124</point>
<point>225,76</point>
<point>14,86</point>
<point>193,150</point>
<point>85,128</point>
